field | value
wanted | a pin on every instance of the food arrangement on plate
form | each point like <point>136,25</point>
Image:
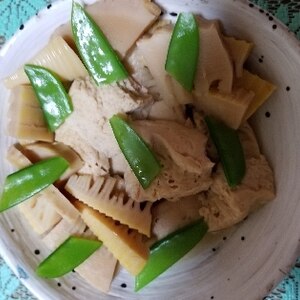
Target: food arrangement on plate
<point>133,143</point>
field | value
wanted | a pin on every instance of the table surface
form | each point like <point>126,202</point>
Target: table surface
<point>14,13</point>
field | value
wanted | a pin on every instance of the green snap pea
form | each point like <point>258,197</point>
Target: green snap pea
<point>141,159</point>
<point>169,250</point>
<point>69,255</point>
<point>28,181</point>
<point>183,51</point>
<point>230,150</point>
<point>100,59</point>
<point>51,94</point>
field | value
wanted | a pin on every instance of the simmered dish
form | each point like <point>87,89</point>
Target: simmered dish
<point>133,140</point>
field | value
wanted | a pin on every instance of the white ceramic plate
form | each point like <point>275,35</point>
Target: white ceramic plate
<point>236,268</point>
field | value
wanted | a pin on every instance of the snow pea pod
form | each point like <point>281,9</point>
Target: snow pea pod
<point>67,256</point>
<point>169,250</point>
<point>141,159</point>
<point>183,51</point>
<point>53,98</point>
<point>99,57</point>
<point>28,181</point>
<point>230,150</point>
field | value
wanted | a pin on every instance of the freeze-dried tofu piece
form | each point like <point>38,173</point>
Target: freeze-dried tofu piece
<point>223,207</point>
<point>87,129</point>
<point>181,151</point>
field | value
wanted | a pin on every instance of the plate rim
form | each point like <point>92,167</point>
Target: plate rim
<point>5,253</point>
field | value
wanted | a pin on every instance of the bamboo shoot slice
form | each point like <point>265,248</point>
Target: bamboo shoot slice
<point>214,63</point>
<point>239,51</point>
<point>54,197</point>
<point>98,269</point>
<point>102,195</point>
<point>62,231</point>
<point>172,216</point>
<point>125,244</point>
<point>261,88</point>
<point>120,25</point>
<point>39,213</point>
<point>229,108</point>
<point>39,151</point>
<point>26,119</point>
<point>58,57</point>
<point>154,51</point>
